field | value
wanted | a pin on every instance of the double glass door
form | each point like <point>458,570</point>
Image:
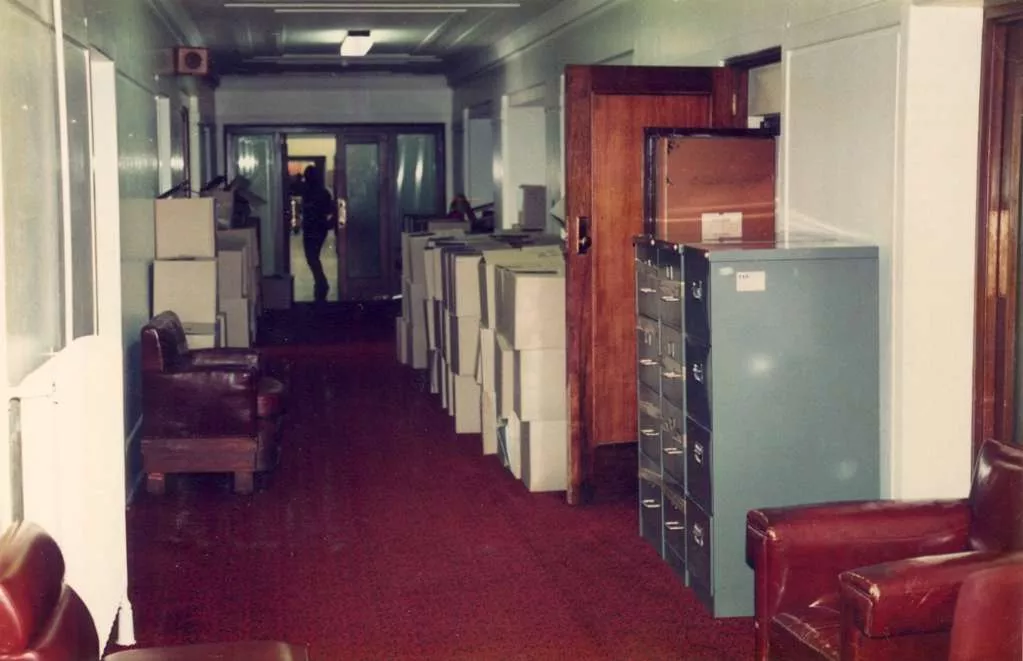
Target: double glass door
<point>374,174</point>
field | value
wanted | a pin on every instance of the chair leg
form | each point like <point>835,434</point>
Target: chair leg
<point>156,483</point>
<point>243,483</point>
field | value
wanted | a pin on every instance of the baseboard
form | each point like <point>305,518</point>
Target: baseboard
<point>129,444</point>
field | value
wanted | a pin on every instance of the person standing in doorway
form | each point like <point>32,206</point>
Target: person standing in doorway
<point>318,215</point>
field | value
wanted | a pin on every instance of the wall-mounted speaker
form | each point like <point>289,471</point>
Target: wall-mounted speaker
<point>192,61</point>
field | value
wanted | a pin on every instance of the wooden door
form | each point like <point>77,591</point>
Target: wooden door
<point>606,111</point>
<point>364,207</point>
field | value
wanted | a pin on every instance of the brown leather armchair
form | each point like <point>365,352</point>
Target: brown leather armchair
<point>879,580</point>
<point>43,619</point>
<point>206,410</point>
<point>988,620</point>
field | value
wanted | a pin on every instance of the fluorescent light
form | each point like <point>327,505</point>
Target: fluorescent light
<point>356,43</point>
<point>369,6</point>
<point>389,10</point>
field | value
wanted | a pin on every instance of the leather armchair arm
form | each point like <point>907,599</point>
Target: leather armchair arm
<point>798,552</point>
<point>913,596</point>
<point>226,357</point>
<point>195,401</point>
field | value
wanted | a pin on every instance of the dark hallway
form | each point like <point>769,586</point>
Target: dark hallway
<point>383,535</point>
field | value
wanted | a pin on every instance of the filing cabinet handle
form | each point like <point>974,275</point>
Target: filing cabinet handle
<point>673,452</point>
<point>671,375</point>
<point>648,432</point>
<point>647,362</point>
<point>674,526</point>
<point>698,452</point>
<point>646,290</point>
<point>698,372</point>
<point>697,290</point>
<point>698,534</point>
<point>651,504</point>
<point>672,349</point>
<point>670,299</point>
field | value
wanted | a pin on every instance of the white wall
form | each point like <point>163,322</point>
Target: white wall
<point>523,158</point>
<point>46,154</point>
<point>354,99</point>
<point>881,125</point>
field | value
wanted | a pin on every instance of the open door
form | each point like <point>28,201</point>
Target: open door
<point>364,208</point>
<point>606,111</point>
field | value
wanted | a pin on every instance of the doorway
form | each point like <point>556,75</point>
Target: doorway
<point>375,174</point>
<point>998,381</point>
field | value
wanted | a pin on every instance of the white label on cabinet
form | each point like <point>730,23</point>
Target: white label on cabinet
<point>726,270</point>
<point>722,225</point>
<point>751,281</point>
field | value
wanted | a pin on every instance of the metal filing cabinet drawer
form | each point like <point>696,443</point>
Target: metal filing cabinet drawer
<point>698,465</point>
<point>672,382</point>
<point>699,553</point>
<point>647,301</point>
<point>649,423</point>
<point>674,522</point>
<point>672,345</point>
<point>669,301</point>
<point>697,296</point>
<point>697,383</point>
<point>648,338</point>
<point>673,443</point>
<point>650,507</point>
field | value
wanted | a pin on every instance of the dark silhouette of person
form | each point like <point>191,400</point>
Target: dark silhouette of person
<point>318,215</point>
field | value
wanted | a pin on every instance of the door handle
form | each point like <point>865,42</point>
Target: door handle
<point>583,240</point>
<point>342,213</point>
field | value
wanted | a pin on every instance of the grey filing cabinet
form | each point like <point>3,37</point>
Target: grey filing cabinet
<point>758,387</point>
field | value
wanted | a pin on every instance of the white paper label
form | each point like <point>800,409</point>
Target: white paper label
<point>751,281</point>
<point>718,226</point>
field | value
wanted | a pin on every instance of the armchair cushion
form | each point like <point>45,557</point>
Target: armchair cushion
<point>200,401</point>
<point>988,625</point>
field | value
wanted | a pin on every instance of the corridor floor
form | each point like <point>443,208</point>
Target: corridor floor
<point>383,535</point>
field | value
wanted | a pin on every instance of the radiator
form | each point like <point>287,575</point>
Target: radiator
<point>70,414</point>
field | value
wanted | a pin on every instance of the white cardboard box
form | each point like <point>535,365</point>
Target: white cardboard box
<point>467,405</point>
<point>464,344</point>
<point>513,443</point>
<point>540,385</point>
<point>531,306</point>
<point>449,380</point>
<point>434,359</point>
<point>485,373</point>
<point>445,384</point>
<point>233,273</point>
<point>493,258</point>
<point>465,284</point>
<point>488,420</point>
<point>544,455</point>
<point>401,339</point>
<point>239,328</point>
<point>188,287</point>
<point>504,376</point>
<point>185,228</point>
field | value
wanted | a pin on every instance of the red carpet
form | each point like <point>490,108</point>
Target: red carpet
<point>383,535</point>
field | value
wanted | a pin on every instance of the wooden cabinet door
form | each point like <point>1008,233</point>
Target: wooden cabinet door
<point>606,111</point>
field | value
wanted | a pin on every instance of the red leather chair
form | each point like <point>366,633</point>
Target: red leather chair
<point>206,410</point>
<point>988,620</point>
<point>43,619</point>
<point>879,580</point>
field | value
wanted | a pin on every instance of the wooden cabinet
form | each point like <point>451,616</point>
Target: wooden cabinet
<point>607,110</point>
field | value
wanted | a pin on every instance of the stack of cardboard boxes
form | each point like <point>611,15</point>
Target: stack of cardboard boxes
<point>208,277</point>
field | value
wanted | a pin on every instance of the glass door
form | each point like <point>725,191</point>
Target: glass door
<point>255,159</point>
<point>363,210</point>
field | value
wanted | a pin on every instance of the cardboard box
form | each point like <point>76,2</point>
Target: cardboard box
<point>488,420</point>
<point>544,455</point>
<point>187,287</point>
<point>205,336</point>
<point>239,328</point>
<point>708,188</point>
<point>540,386</point>
<point>445,384</point>
<point>513,444</point>
<point>494,258</point>
<point>465,284</point>
<point>532,207</point>
<point>434,359</point>
<point>233,273</point>
<point>504,376</point>
<point>185,228</point>
<point>531,306</point>
<point>223,205</point>
<point>485,373</point>
<point>468,414</point>
<point>401,339</point>
<point>464,344</point>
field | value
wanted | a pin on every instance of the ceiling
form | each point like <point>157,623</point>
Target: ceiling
<point>300,36</point>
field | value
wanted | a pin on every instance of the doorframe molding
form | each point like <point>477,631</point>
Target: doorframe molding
<point>997,236</point>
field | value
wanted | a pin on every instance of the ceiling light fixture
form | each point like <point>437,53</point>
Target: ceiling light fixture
<point>356,43</point>
<point>333,10</point>
<point>371,6</point>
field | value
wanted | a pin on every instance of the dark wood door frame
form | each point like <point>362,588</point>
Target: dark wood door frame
<point>998,234</point>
